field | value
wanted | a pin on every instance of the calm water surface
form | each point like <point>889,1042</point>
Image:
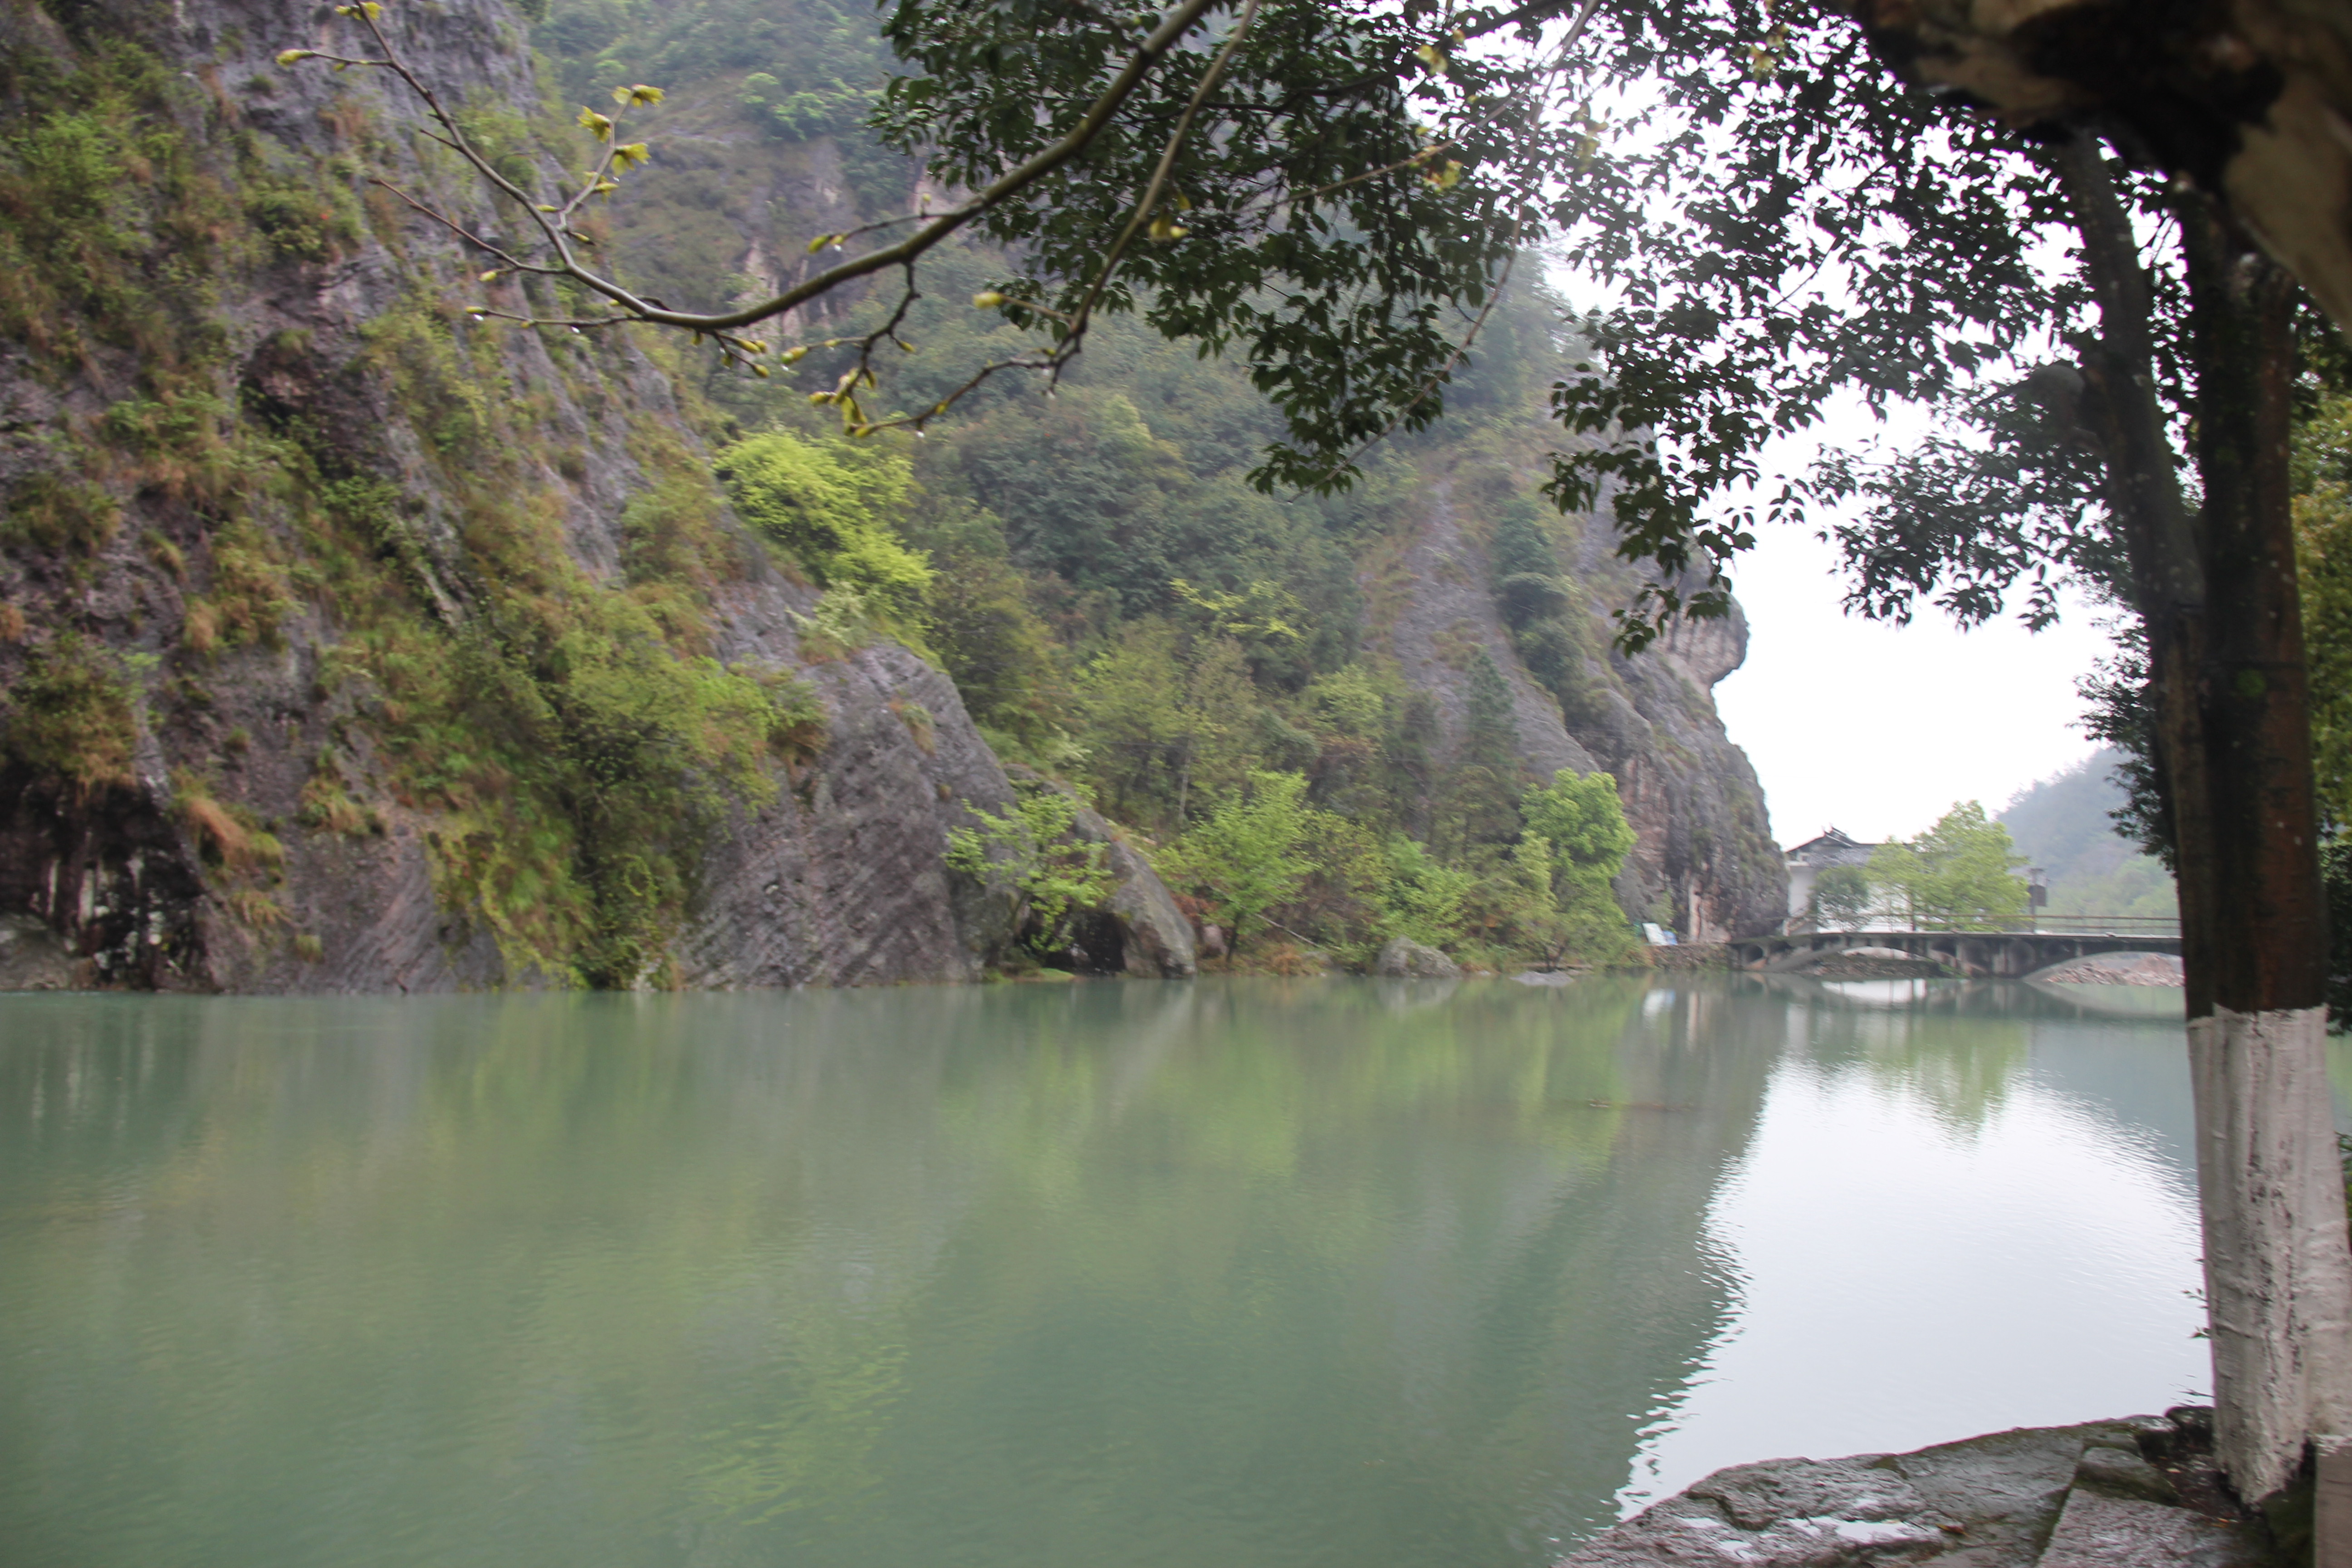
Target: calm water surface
<point>1255,1274</point>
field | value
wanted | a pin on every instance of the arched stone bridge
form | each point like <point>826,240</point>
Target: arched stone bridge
<point>2012,953</point>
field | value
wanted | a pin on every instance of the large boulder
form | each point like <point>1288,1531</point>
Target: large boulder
<point>2106,1492</point>
<point>31,956</point>
<point>1155,938</point>
<point>1138,930</point>
<point>1404,959</point>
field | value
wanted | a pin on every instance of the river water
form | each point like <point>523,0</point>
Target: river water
<point>1262,1274</point>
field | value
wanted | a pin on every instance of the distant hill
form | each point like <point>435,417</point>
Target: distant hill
<point>2063,825</point>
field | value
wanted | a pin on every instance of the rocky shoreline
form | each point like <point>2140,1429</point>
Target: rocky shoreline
<point>2140,1492</point>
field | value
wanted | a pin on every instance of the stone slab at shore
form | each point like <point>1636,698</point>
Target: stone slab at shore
<point>2134,1493</point>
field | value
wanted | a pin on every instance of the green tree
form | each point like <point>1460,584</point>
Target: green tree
<point>1581,821</point>
<point>1594,926</point>
<point>1536,919</point>
<point>834,506</point>
<point>1960,875</point>
<point>1130,697</point>
<point>1842,898</point>
<point>1248,856</point>
<point>1221,713</point>
<point>1522,542</point>
<point>1584,820</point>
<point>1424,897</point>
<point>1481,796</point>
<point>1338,903</point>
<point>988,638</point>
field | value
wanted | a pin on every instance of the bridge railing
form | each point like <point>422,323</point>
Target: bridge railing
<point>2108,925</point>
<point>2045,925</point>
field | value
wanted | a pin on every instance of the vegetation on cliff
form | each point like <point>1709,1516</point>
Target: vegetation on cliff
<point>571,739</point>
<point>1121,610</point>
<point>394,520</point>
<point>1119,604</point>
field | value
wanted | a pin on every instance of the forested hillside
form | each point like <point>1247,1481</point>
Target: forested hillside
<point>1117,602</point>
<point>351,643</point>
<point>2067,825</point>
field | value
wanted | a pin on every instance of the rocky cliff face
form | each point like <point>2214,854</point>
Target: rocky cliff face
<point>1705,862</point>
<point>349,645</point>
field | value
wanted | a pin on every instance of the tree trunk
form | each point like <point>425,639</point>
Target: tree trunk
<point>2219,598</point>
<point>2278,1277</point>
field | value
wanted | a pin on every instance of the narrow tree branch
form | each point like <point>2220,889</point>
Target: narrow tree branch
<point>1151,192</point>
<point>1149,55</point>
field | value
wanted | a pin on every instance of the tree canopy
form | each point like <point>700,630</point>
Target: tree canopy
<point>1330,192</point>
<point>1958,875</point>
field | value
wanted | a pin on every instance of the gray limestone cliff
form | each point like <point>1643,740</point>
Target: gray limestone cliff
<point>348,644</point>
<point>1704,861</point>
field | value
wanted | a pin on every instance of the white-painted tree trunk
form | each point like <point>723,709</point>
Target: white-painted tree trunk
<point>2278,1271</point>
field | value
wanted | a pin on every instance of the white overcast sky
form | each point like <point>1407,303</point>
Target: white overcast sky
<point>1877,730</point>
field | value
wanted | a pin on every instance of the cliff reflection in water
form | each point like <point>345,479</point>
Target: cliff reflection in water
<point>1160,1274</point>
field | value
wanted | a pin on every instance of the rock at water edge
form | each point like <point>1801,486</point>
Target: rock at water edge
<point>1155,938</point>
<point>1403,958</point>
<point>32,958</point>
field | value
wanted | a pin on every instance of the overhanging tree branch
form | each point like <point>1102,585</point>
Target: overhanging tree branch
<point>1338,225</point>
<point>1147,56</point>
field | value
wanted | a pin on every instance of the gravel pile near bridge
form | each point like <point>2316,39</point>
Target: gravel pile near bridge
<point>2120,969</point>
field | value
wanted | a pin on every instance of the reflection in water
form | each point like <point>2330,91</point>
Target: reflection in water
<point>1171,1275</point>
<point>1967,1209</point>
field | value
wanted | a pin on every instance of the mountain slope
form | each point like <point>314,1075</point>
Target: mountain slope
<point>1112,514</point>
<point>349,645</point>
<point>2064,823</point>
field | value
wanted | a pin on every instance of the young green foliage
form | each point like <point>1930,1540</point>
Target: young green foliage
<point>1960,875</point>
<point>1028,848</point>
<point>1582,817</point>
<point>832,506</point>
<point>1247,856</point>
<point>1422,901</point>
<point>1580,820</point>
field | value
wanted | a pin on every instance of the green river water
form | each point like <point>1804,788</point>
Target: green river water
<point>1241,1273</point>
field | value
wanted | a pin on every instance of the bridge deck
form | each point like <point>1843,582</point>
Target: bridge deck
<point>2009,952</point>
